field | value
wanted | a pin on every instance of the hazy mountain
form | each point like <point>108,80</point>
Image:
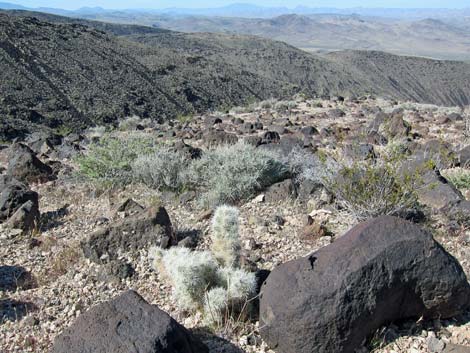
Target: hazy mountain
<point>442,39</point>
<point>247,10</point>
<point>434,33</point>
<point>57,70</point>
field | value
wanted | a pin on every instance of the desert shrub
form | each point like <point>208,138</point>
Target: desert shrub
<point>267,104</point>
<point>108,162</point>
<point>96,132</point>
<point>164,169</point>
<point>130,123</point>
<point>185,119</point>
<point>372,189</point>
<point>305,165</point>
<point>232,173</point>
<point>460,177</point>
<point>202,283</point>
<point>363,189</point>
<point>225,239</point>
<point>62,261</point>
<point>63,130</point>
<point>396,150</point>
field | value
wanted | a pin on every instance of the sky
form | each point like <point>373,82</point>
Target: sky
<point>159,4</point>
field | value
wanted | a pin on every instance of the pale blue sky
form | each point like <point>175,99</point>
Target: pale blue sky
<point>119,4</point>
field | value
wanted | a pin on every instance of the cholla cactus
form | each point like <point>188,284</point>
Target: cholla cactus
<point>240,284</point>
<point>215,306</point>
<point>211,282</point>
<point>231,299</point>
<point>225,238</point>
<point>192,273</point>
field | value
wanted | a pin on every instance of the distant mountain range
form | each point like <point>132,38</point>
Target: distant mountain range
<point>253,11</point>
<point>445,38</point>
<point>60,71</point>
<point>432,33</point>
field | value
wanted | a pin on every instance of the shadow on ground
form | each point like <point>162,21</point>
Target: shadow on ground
<point>15,277</point>
<point>52,219</point>
<point>13,310</point>
<point>215,343</point>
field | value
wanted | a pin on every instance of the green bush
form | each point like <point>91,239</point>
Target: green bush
<point>373,189</point>
<point>460,177</point>
<point>232,173</point>
<point>108,162</point>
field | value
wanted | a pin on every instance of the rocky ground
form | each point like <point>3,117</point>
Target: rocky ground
<point>54,283</point>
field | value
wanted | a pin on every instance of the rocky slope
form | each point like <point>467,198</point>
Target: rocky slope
<point>47,282</point>
<point>78,73</point>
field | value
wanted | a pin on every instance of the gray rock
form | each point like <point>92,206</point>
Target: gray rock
<point>25,166</point>
<point>217,137</point>
<point>126,324</point>
<point>281,191</point>
<point>133,233</point>
<point>13,196</point>
<point>436,192</point>
<point>25,218</point>
<point>129,208</point>
<point>435,345</point>
<point>309,131</point>
<point>452,348</point>
<point>336,113</point>
<point>464,156</point>
<point>360,151</point>
<point>381,271</point>
<point>396,126</point>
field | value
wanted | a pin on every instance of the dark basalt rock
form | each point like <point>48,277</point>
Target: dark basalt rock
<point>26,167</point>
<point>127,324</point>
<point>383,270</point>
<point>133,233</point>
<point>19,203</point>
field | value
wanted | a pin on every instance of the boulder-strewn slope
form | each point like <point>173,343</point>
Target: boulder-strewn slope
<point>58,71</point>
<point>411,78</point>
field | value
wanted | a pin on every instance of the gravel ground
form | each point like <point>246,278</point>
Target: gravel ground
<point>65,284</point>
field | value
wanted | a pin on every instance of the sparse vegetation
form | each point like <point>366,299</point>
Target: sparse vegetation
<point>232,173</point>
<point>210,282</point>
<point>372,189</point>
<point>460,177</point>
<point>130,123</point>
<point>226,174</point>
<point>63,130</point>
<point>164,169</point>
<point>108,162</point>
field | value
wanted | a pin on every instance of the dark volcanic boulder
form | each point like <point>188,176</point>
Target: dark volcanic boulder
<point>25,166</point>
<point>17,199</point>
<point>25,218</point>
<point>380,271</point>
<point>133,233</point>
<point>127,324</point>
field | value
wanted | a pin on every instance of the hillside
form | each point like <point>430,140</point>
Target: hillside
<point>57,70</point>
<point>446,38</point>
<point>71,74</point>
<point>437,37</point>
